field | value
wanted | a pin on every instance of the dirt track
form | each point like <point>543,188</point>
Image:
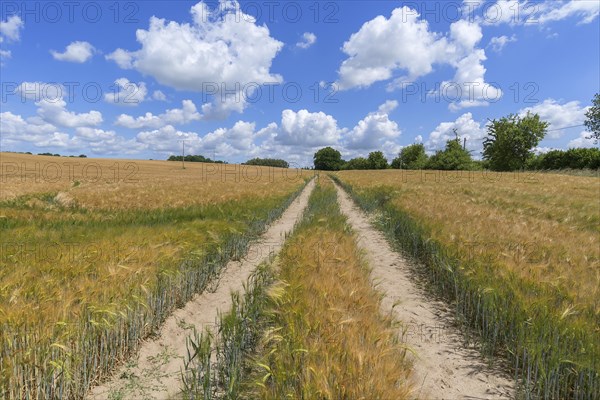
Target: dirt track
<point>444,368</point>
<point>154,373</point>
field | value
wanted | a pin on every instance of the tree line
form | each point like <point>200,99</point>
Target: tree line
<point>194,158</point>
<point>268,162</point>
<point>53,155</point>
<point>508,147</point>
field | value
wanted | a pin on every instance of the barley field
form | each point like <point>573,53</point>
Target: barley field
<point>328,339</point>
<point>96,253</point>
<point>308,326</point>
<point>519,255</point>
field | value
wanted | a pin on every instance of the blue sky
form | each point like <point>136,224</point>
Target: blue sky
<point>282,79</point>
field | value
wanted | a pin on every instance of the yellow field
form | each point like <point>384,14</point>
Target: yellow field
<point>94,254</point>
<point>309,325</point>
<point>123,184</point>
<point>82,250</point>
<point>329,340</point>
<point>543,227</point>
<point>518,252</point>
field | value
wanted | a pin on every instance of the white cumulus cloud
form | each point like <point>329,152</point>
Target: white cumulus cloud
<point>167,139</point>
<point>55,112</point>
<point>558,115</point>
<point>304,128</point>
<point>121,57</point>
<point>5,54</point>
<point>374,130</point>
<point>308,39</point>
<point>11,28</point>
<point>175,116</point>
<point>556,10</point>
<point>383,45</point>
<point>77,52</point>
<point>127,93</point>
<point>220,50</point>
<point>403,43</point>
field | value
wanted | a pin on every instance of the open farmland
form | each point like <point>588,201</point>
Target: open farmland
<point>91,266</point>
<point>518,254</point>
<point>93,261</point>
<point>328,200</point>
<point>310,320</point>
<point>324,303</point>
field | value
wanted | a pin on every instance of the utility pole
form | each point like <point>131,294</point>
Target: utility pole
<point>183,153</point>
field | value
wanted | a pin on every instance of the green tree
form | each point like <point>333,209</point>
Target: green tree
<point>268,162</point>
<point>194,158</point>
<point>561,159</point>
<point>453,157</point>
<point>511,139</point>
<point>328,159</point>
<point>592,121</point>
<point>377,160</point>
<point>357,163</point>
<point>411,157</point>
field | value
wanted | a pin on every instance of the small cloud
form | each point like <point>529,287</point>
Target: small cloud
<point>497,43</point>
<point>159,96</point>
<point>78,52</point>
<point>584,140</point>
<point>11,28</point>
<point>388,106</point>
<point>308,39</point>
<point>127,93</point>
<point>10,31</point>
<point>122,57</point>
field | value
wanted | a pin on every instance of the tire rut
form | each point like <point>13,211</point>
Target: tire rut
<point>154,372</point>
<point>444,367</point>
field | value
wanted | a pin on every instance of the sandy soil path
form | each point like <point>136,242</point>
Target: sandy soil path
<point>154,373</point>
<point>444,367</point>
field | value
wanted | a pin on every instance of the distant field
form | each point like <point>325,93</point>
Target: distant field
<point>528,252</point>
<point>94,253</point>
<point>125,184</point>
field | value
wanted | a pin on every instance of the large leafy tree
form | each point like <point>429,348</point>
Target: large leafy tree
<point>511,140</point>
<point>592,121</point>
<point>377,160</point>
<point>453,157</point>
<point>328,159</point>
<point>411,157</point>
